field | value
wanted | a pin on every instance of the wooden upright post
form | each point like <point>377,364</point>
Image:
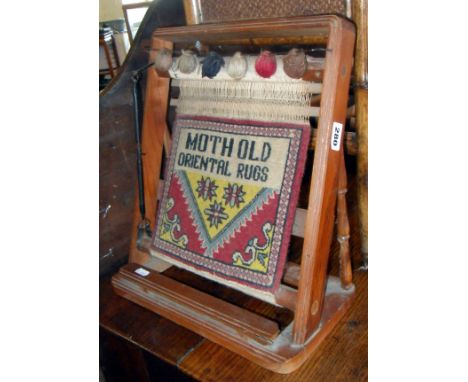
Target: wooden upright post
<point>324,177</point>
<point>153,136</point>
<point>360,94</point>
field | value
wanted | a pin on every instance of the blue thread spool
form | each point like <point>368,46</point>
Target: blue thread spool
<point>212,65</point>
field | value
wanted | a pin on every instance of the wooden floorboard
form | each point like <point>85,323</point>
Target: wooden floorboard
<point>151,332</point>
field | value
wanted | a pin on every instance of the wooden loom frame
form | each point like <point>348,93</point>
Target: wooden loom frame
<point>318,302</point>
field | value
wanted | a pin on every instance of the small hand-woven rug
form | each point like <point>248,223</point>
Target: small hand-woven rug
<point>229,198</point>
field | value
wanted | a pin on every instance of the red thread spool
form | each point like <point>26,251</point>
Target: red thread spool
<point>265,65</point>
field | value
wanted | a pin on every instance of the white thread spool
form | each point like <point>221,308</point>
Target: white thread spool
<point>237,66</point>
<point>187,62</point>
<point>163,61</point>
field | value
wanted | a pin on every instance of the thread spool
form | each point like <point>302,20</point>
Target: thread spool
<point>295,63</point>
<point>187,62</point>
<point>212,65</point>
<point>163,61</point>
<point>237,66</point>
<point>265,65</point>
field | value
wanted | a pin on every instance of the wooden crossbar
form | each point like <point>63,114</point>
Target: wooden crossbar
<point>203,308</point>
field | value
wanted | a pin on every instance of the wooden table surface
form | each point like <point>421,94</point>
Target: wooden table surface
<point>341,357</point>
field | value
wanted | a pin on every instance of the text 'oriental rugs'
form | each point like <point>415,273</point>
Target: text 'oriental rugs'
<point>229,199</point>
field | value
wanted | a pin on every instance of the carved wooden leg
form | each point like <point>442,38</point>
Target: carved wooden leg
<point>346,273</point>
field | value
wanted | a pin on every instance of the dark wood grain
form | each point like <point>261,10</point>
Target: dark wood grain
<point>138,325</point>
<point>117,368</point>
<point>123,361</point>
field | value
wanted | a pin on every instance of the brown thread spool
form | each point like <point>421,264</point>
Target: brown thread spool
<point>295,63</point>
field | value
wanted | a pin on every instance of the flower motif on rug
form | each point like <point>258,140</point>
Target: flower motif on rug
<point>234,195</point>
<point>215,214</point>
<point>206,188</point>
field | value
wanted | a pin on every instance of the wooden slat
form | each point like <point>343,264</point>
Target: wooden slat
<point>286,296</point>
<point>171,296</point>
<point>295,30</point>
<point>291,274</point>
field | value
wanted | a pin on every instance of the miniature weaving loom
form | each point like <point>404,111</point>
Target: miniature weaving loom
<point>227,204</point>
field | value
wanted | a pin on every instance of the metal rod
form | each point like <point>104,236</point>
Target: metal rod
<point>144,225</point>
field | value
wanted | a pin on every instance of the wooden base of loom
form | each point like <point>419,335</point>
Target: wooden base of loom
<point>252,336</point>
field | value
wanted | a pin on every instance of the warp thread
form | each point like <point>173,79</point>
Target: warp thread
<point>212,64</point>
<point>283,92</point>
<point>237,66</point>
<point>261,100</point>
<point>187,62</point>
<point>163,61</point>
<point>246,109</point>
<point>295,63</point>
<point>265,65</point>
